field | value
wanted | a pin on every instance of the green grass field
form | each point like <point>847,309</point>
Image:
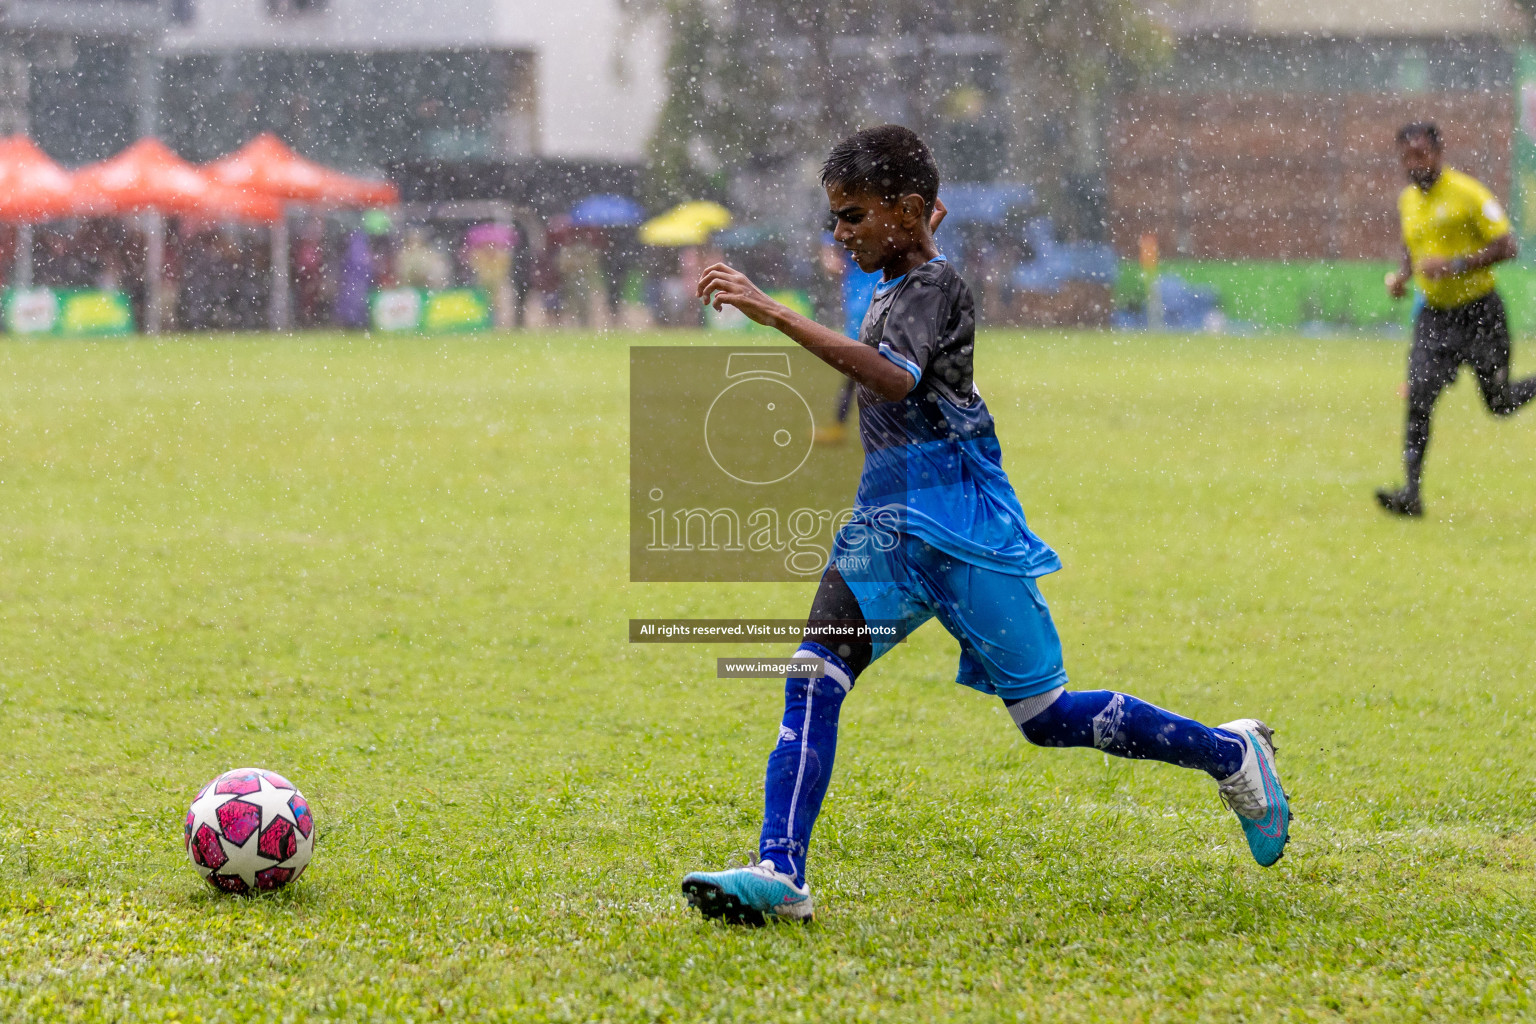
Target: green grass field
<point>396,571</point>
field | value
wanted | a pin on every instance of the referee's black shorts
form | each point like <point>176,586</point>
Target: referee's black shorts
<point>1476,333</point>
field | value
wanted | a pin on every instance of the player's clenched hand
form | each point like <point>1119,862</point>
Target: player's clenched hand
<point>1397,284</point>
<point>722,285</point>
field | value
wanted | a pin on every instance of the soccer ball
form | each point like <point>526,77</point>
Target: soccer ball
<point>250,829</point>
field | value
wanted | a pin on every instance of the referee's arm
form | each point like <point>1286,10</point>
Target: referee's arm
<point>1497,251</point>
<point>1397,281</point>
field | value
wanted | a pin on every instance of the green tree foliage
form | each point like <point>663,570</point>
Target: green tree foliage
<point>687,117</point>
<point>754,84</point>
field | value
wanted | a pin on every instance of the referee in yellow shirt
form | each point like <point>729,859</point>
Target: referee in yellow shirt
<point>1454,231</point>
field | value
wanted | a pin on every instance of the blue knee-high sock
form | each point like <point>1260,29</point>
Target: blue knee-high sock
<point>800,767</point>
<point>1120,724</point>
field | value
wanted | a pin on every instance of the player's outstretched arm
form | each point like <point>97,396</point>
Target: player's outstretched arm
<point>722,285</point>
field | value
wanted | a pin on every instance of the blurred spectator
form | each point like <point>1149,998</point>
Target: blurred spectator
<point>310,274</point>
<point>581,280</point>
<point>357,280</point>
<point>420,263</point>
<point>488,252</point>
<point>221,284</point>
<point>367,265</point>
<point>621,263</point>
<point>110,276</point>
<point>522,275</point>
<point>59,263</point>
<point>378,228</point>
<point>546,282</point>
<point>196,282</point>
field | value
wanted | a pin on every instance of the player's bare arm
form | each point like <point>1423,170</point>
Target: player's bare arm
<point>723,285</point>
<point>878,234</point>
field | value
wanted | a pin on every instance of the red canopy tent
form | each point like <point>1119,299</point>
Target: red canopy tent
<point>34,189</point>
<point>267,166</point>
<point>149,177</point>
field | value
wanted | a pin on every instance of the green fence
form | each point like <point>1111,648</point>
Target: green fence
<point>1278,295</point>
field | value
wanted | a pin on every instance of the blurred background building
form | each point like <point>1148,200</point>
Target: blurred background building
<point>1247,142</point>
<point>1269,130</point>
<point>359,83</point>
<point>373,82</point>
<point>79,75</point>
<point>1259,155</point>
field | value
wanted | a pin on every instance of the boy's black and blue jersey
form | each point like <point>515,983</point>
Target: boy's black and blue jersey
<point>933,457</point>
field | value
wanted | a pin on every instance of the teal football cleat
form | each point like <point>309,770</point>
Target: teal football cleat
<point>1254,793</point>
<point>748,895</point>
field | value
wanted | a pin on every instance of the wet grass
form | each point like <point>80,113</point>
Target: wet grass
<point>395,571</point>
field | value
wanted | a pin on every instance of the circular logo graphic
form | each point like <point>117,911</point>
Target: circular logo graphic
<point>759,430</point>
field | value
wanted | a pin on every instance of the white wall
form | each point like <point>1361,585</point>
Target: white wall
<point>601,73</point>
<point>1385,17</point>
<point>600,70</point>
<point>344,24</point>
<point>1340,17</point>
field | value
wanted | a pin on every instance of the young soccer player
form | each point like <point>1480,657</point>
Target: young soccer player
<point>961,551</point>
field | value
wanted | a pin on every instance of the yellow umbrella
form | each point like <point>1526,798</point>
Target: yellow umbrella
<point>687,224</point>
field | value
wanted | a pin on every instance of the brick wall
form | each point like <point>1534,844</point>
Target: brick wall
<point>1277,176</point>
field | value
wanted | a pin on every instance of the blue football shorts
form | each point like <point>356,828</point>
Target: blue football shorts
<point>1008,643</point>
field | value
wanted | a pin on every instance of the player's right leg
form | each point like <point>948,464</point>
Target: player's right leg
<point>1006,635</point>
<point>1432,365</point>
<point>1239,755</point>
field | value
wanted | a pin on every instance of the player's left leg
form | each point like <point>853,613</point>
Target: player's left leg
<point>800,764</point>
<point>1488,352</point>
<point>1006,633</point>
<point>799,771</point>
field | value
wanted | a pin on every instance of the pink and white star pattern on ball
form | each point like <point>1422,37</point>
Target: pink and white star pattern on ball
<point>250,829</point>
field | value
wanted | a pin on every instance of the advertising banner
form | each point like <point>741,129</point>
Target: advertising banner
<point>434,312</point>
<point>69,312</point>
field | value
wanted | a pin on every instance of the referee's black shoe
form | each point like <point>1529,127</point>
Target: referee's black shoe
<point>1403,502</point>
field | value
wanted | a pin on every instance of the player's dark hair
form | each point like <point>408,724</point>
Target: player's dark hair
<point>1420,130</point>
<point>890,161</point>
